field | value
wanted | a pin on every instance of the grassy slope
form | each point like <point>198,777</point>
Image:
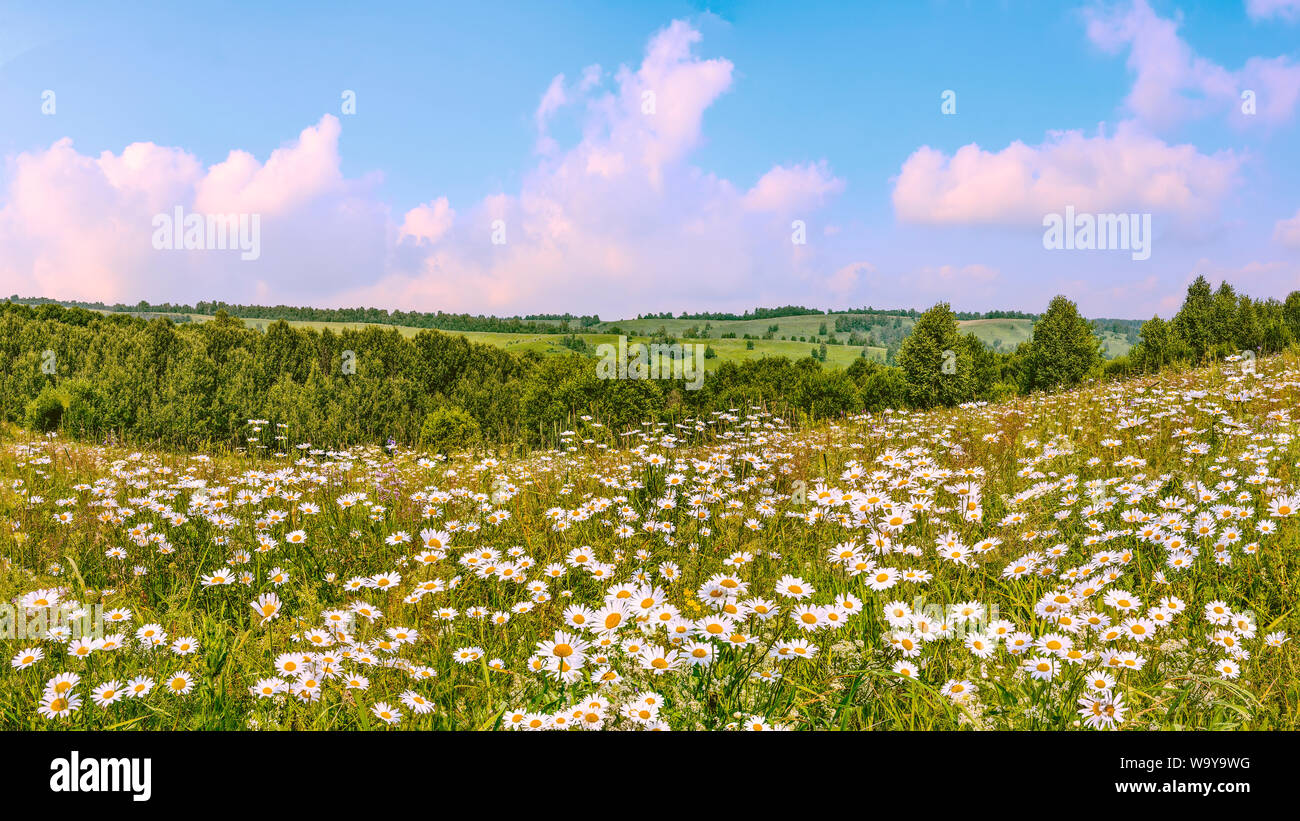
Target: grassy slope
<point>848,685</point>
<point>727,349</point>
<point>1009,332</point>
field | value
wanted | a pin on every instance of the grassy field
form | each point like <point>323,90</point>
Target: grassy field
<point>1001,334</point>
<point>1123,556</point>
<point>838,356</point>
<point>1005,333</point>
<point>727,349</point>
<point>787,325</point>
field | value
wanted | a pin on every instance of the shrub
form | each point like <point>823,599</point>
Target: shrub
<point>46,411</point>
<point>449,428</point>
<point>86,413</point>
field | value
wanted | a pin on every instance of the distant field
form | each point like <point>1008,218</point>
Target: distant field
<point>999,334</point>
<point>1116,345</point>
<point>1006,334</point>
<point>726,349</point>
<point>638,330</point>
<point>787,325</point>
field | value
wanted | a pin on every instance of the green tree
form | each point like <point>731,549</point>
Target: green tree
<point>984,367</point>
<point>1064,351</point>
<point>1247,330</point>
<point>1224,316</point>
<point>1291,313</point>
<point>1158,347</point>
<point>936,363</point>
<point>1194,321</point>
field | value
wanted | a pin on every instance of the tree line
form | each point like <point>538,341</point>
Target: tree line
<point>96,376</point>
<point>538,324</point>
<point>757,313</point>
<point>1214,323</point>
<point>941,367</point>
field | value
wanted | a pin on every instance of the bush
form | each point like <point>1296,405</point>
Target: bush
<point>1117,367</point>
<point>884,387</point>
<point>46,411</point>
<point>449,428</point>
<point>1001,391</point>
<point>86,412</point>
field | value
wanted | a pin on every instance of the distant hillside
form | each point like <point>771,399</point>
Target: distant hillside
<point>784,331</point>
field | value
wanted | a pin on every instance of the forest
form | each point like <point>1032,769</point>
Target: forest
<point>119,377</point>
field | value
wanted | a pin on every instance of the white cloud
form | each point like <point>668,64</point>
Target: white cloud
<point>620,218</point>
<point>552,101</point>
<point>427,223</point>
<point>81,227</point>
<point>1131,171</point>
<point>1288,10</point>
<point>849,278</point>
<point>1287,231</point>
<point>1172,83</point>
<point>788,190</point>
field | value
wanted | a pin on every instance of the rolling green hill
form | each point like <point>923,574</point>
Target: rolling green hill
<point>878,334</point>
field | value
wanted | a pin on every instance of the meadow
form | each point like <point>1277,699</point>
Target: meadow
<point>1120,556</point>
<point>642,330</point>
<point>1001,334</point>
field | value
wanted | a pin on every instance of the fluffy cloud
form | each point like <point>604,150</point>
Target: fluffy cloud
<point>1130,171</point>
<point>292,176</point>
<point>552,101</point>
<point>1287,231</point>
<point>1172,83</point>
<point>1266,9</point>
<point>427,223</point>
<point>788,190</point>
<point>847,279</point>
<point>621,217</point>
<point>82,227</point>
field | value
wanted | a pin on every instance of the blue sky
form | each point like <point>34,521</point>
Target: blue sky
<point>828,113</point>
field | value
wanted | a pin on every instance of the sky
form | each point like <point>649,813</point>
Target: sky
<point>625,158</point>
